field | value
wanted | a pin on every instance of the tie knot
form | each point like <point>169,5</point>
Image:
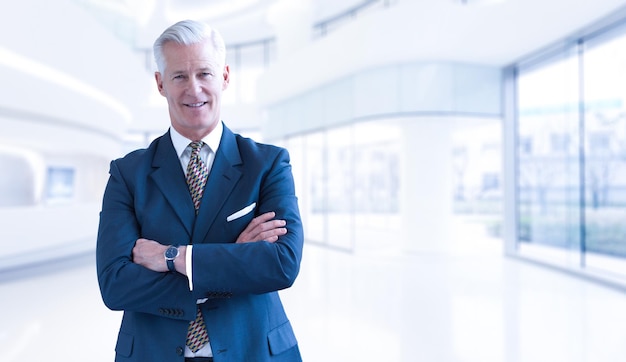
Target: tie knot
<point>196,146</point>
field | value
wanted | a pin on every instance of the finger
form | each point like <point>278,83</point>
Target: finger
<point>272,235</point>
<point>270,225</point>
<point>255,228</point>
<point>262,218</point>
<point>261,228</point>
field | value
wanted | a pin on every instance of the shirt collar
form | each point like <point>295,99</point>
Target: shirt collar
<point>212,139</point>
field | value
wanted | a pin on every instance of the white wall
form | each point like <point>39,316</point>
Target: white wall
<point>378,77</point>
<point>66,98</point>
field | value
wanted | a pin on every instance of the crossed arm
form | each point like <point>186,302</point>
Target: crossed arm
<point>149,253</point>
<point>130,262</point>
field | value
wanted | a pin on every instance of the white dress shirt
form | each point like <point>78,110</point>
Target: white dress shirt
<point>207,154</point>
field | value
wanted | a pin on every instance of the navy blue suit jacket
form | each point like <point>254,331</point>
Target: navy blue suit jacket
<point>147,197</point>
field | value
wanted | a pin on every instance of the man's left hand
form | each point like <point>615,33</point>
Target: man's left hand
<point>149,253</point>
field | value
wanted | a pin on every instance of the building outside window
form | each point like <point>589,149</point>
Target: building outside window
<point>570,161</point>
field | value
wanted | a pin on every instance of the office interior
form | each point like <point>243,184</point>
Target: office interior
<point>460,167</point>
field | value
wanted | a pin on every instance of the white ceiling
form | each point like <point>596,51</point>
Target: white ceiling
<point>500,30</point>
<point>140,21</point>
<point>81,39</point>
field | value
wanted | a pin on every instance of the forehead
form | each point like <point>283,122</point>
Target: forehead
<point>179,57</point>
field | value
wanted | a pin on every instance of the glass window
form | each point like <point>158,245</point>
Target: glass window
<point>247,62</point>
<point>548,171</point>
<point>377,185</point>
<point>340,183</point>
<point>477,169</point>
<point>571,155</point>
<point>605,148</point>
<point>315,188</point>
<point>60,184</point>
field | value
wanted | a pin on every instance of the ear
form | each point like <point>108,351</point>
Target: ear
<point>159,81</point>
<point>226,77</point>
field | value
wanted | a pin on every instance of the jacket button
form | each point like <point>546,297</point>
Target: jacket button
<point>180,351</point>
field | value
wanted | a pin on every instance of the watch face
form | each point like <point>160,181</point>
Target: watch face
<point>171,252</point>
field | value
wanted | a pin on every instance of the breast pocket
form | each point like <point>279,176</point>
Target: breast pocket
<point>237,221</point>
<point>246,211</point>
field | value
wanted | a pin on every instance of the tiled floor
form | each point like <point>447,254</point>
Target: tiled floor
<point>467,306</point>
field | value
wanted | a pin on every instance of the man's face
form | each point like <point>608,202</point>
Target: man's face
<point>192,82</point>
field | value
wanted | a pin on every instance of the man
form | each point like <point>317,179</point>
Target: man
<point>195,268</point>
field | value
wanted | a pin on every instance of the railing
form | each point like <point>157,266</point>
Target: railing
<point>321,28</point>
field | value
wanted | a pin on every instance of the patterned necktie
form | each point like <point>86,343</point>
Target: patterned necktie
<point>197,174</point>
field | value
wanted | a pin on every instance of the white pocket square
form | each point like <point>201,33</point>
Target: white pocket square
<point>241,212</point>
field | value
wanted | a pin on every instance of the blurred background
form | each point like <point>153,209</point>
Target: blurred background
<point>460,166</point>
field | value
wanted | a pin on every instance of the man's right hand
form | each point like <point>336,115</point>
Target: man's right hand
<point>263,227</point>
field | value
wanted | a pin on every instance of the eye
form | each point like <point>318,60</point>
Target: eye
<point>179,76</point>
<point>206,74</point>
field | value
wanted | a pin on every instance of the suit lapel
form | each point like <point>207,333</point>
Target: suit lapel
<point>223,177</point>
<point>170,179</point>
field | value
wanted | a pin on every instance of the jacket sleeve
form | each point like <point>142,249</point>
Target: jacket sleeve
<point>125,285</point>
<point>226,268</point>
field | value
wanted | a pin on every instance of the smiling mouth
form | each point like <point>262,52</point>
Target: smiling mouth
<point>195,105</point>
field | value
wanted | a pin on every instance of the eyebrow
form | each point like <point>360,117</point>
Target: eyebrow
<point>210,69</point>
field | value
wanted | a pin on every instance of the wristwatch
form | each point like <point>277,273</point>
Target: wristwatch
<point>170,254</point>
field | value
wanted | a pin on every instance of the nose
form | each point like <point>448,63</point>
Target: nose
<point>194,86</point>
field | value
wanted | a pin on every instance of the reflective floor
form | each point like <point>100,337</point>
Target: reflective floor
<point>471,305</point>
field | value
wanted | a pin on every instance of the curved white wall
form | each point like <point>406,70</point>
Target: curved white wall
<point>361,75</point>
<point>396,90</point>
<point>58,62</point>
<point>67,96</point>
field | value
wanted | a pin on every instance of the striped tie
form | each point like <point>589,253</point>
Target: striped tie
<point>197,174</point>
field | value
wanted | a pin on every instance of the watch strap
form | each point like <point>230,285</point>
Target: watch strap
<point>170,265</point>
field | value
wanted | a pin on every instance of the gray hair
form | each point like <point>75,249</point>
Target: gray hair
<point>188,32</point>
